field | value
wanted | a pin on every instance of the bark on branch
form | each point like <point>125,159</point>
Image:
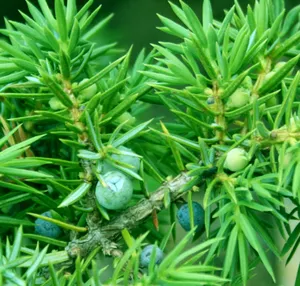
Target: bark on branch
<point>106,235</point>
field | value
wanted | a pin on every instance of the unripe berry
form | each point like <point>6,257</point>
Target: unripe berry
<point>208,91</point>
<point>236,160</point>
<point>117,192</point>
<point>238,99</point>
<point>294,124</point>
<point>55,104</point>
<point>221,91</point>
<point>272,101</point>
<point>47,228</point>
<point>247,83</point>
<point>146,255</point>
<point>268,76</point>
<point>28,125</point>
<point>278,66</point>
<point>7,209</point>
<point>11,209</point>
<point>183,216</point>
<point>127,159</point>
<point>288,157</point>
<point>194,89</point>
<point>87,93</point>
<point>108,168</point>
<point>126,116</point>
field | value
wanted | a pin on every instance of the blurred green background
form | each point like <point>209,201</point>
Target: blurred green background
<point>135,22</point>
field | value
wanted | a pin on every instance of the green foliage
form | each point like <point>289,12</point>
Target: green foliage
<point>71,107</point>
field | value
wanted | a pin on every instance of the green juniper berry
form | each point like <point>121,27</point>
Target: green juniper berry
<point>128,157</point>
<point>236,159</point>
<point>116,192</point>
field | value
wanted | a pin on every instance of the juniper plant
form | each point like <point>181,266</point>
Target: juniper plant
<point>70,113</point>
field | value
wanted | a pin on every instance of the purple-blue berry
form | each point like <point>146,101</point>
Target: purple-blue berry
<point>210,100</point>
<point>183,216</point>
<point>146,255</point>
<point>117,192</point>
<point>46,228</point>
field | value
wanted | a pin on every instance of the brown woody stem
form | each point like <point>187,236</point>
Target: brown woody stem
<point>106,234</point>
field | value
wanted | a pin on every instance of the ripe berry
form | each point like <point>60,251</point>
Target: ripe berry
<point>47,228</point>
<point>210,100</point>
<point>183,216</point>
<point>146,255</point>
<point>236,160</point>
<point>117,193</point>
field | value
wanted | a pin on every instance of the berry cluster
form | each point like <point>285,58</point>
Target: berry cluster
<point>184,219</point>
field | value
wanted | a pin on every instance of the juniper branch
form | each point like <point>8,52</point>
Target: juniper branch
<point>105,235</point>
